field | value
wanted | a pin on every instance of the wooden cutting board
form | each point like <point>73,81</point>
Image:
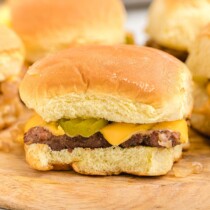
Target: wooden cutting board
<point>24,188</point>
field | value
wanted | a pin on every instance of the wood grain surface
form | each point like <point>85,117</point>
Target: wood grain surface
<point>23,188</point>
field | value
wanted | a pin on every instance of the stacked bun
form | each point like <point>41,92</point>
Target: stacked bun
<point>49,26</point>
<point>174,24</point>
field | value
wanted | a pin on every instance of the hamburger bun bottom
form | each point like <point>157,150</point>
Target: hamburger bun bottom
<point>141,161</point>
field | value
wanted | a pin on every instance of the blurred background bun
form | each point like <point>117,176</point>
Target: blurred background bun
<point>47,26</point>
<point>11,63</point>
<point>200,118</point>
<point>11,53</point>
<point>199,64</point>
<point>174,24</point>
<point>199,57</point>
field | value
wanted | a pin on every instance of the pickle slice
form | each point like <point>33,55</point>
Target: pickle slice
<point>82,127</point>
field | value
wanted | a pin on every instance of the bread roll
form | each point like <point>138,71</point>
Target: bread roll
<point>11,53</point>
<point>175,23</point>
<point>198,60</point>
<point>50,25</point>
<point>109,161</point>
<point>199,64</point>
<point>118,83</point>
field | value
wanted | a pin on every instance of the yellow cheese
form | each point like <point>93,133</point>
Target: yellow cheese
<point>117,133</point>
<point>201,80</point>
<point>38,121</point>
<point>5,17</point>
<point>129,38</point>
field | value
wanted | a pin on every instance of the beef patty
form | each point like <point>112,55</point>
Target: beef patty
<point>181,55</point>
<point>156,138</point>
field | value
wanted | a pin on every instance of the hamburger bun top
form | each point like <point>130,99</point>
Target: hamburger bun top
<point>118,83</point>
<point>48,26</point>
<point>198,60</point>
<point>11,53</point>
<point>175,23</point>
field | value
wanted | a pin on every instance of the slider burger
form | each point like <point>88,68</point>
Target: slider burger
<point>174,24</point>
<point>11,62</point>
<point>106,110</point>
<point>47,26</point>
<point>199,64</point>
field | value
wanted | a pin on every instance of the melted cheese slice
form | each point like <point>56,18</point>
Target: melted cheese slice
<point>117,133</point>
<point>53,127</point>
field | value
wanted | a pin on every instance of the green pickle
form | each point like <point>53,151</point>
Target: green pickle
<point>82,127</point>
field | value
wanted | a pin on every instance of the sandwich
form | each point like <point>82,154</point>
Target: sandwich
<point>199,64</point>
<point>48,26</point>
<point>174,24</point>
<point>105,110</point>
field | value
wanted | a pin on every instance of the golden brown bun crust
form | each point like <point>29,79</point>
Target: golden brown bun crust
<point>141,161</point>
<point>175,23</point>
<point>198,60</point>
<point>11,53</point>
<point>52,25</point>
<point>139,80</point>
